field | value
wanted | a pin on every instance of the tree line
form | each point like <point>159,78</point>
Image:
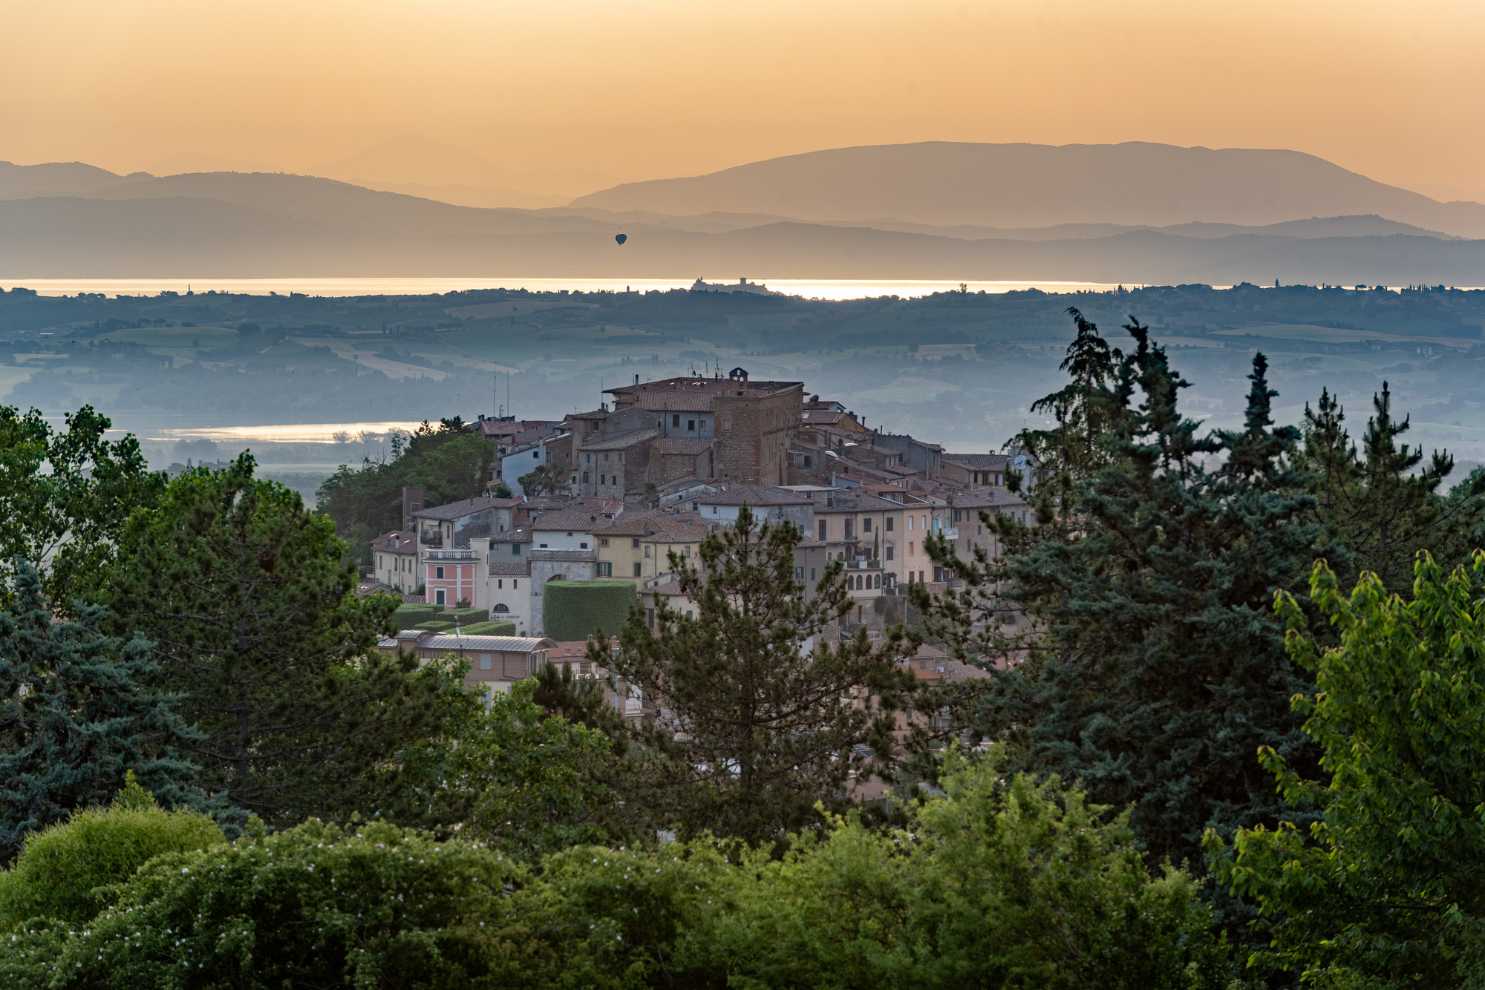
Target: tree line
<point>1208,763</point>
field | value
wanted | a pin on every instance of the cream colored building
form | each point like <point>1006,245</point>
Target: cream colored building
<point>637,545</point>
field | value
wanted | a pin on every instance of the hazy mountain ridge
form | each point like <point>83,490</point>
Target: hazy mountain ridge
<point>280,224</point>
<point>1026,185</point>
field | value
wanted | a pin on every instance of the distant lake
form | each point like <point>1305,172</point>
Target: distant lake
<point>281,432</point>
<point>822,288</point>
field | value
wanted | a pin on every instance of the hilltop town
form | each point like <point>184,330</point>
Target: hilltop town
<point>594,505</point>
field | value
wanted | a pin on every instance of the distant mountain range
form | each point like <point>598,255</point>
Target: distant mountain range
<point>970,212</point>
<point>1034,185</point>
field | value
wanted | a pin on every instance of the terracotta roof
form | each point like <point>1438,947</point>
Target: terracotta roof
<point>762,495</point>
<point>623,442</point>
<point>509,568</point>
<point>852,501</point>
<point>567,520</point>
<point>466,507</point>
<point>980,462</point>
<point>395,542</point>
<point>681,447</point>
<point>685,527</point>
<point>590,414</point>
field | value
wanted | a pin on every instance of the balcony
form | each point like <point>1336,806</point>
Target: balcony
<point>463,554</point>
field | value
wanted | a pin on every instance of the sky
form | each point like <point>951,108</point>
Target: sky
<point>548,100</point>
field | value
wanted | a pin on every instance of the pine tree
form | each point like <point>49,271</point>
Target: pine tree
<point>1153,666</point>
<point>1380,503</point>
<point>765,710</point>
<point>77,712</point>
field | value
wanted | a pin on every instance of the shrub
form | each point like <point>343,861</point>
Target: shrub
<point>316,905</point>
<point>63,872</point>
<point>490,629</point>
<point>578,609</point>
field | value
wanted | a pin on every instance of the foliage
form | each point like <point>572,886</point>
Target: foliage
<point>78,708</point>
<point>1384,890</point>
<point>506,628</point>
<point>1379,503</point>
<point>548,479</point>
<point>64,496</point>
<point>449,462</point>
<point>63,873</point>
<point>316,905</point>
<point>575,610</point>
<point>766,716</point>
<point>250,603</point>
<point>1153,667</point>
<point>999,881</point>
<point>514,777</point>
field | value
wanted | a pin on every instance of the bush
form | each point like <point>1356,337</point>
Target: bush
<point>62,873</point>
<point>577,609</point>
<point>436,625</point>
<point>490,629</point>
<point>315,905</point>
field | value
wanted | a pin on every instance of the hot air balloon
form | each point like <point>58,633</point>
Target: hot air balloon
<point>620,238</point>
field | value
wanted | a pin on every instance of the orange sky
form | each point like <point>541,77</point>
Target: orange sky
<point>565,96</point>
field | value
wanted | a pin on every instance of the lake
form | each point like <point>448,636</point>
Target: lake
<point>825,288</point>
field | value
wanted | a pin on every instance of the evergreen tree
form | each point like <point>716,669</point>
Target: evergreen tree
<point>1151,665</point>
<point>1379,503</point>
<point>250,602</point>
<point>765,709</point>
<point>1082,409</point>
<point>78,710</point>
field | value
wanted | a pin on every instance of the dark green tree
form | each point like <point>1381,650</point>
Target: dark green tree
<point>765,708</point>
<point>549,479</point>
<point>78,710</point>
<point>1380,502</point>
<point>64,496</point>
<point>1384,889</point>
<point>1150,666</point>
<point>250,602</point>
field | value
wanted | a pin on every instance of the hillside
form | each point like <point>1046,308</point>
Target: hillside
<point>1028,185</point>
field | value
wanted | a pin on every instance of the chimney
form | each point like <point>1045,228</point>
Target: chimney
<point>636,378</point>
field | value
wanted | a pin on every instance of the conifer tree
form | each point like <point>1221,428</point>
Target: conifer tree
<point>78,711</point>
<point>1152,667</point>
<point>765,709</point>
<point>1379,503</point>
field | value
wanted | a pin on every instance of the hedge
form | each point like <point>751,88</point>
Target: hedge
<point>577,609</point>
<point>506,628</point>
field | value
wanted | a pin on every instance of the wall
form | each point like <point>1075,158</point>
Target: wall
<point>753,435</point>
<point>514,466</point>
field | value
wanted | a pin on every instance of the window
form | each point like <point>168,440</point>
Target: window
<point>910,522</point>
<point>514,584</point>
<point>823,524</point>
<point>866,525</point>
<point>812,574</point>
<point>648,551</point>
<point>635,544</point>
<point>850,528</point>
<point>583,545</point>
<point>637,569</point>
<point>500,584</point>
<point>515,549</point>
<point>910,548</point>
<point>587,459</point>
<point>438,596</point>
<point>486,662</point>
<point>691,426</point>
<point>438,573</point>
<point>675,419</point>
<point>889,551</point>
<point>605,568</point>
<point>585,477</point>
<point>603,541</point>
<point>501,607</point>
<point>889,524</point>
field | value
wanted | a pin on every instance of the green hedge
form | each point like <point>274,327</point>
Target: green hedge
<point>489,629</point>
<point>578,609</point>
<point>439,624</point>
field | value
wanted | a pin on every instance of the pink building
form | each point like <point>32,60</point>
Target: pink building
<point>449,576</point>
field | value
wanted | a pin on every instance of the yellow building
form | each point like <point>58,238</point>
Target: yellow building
<point>637,545</point>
